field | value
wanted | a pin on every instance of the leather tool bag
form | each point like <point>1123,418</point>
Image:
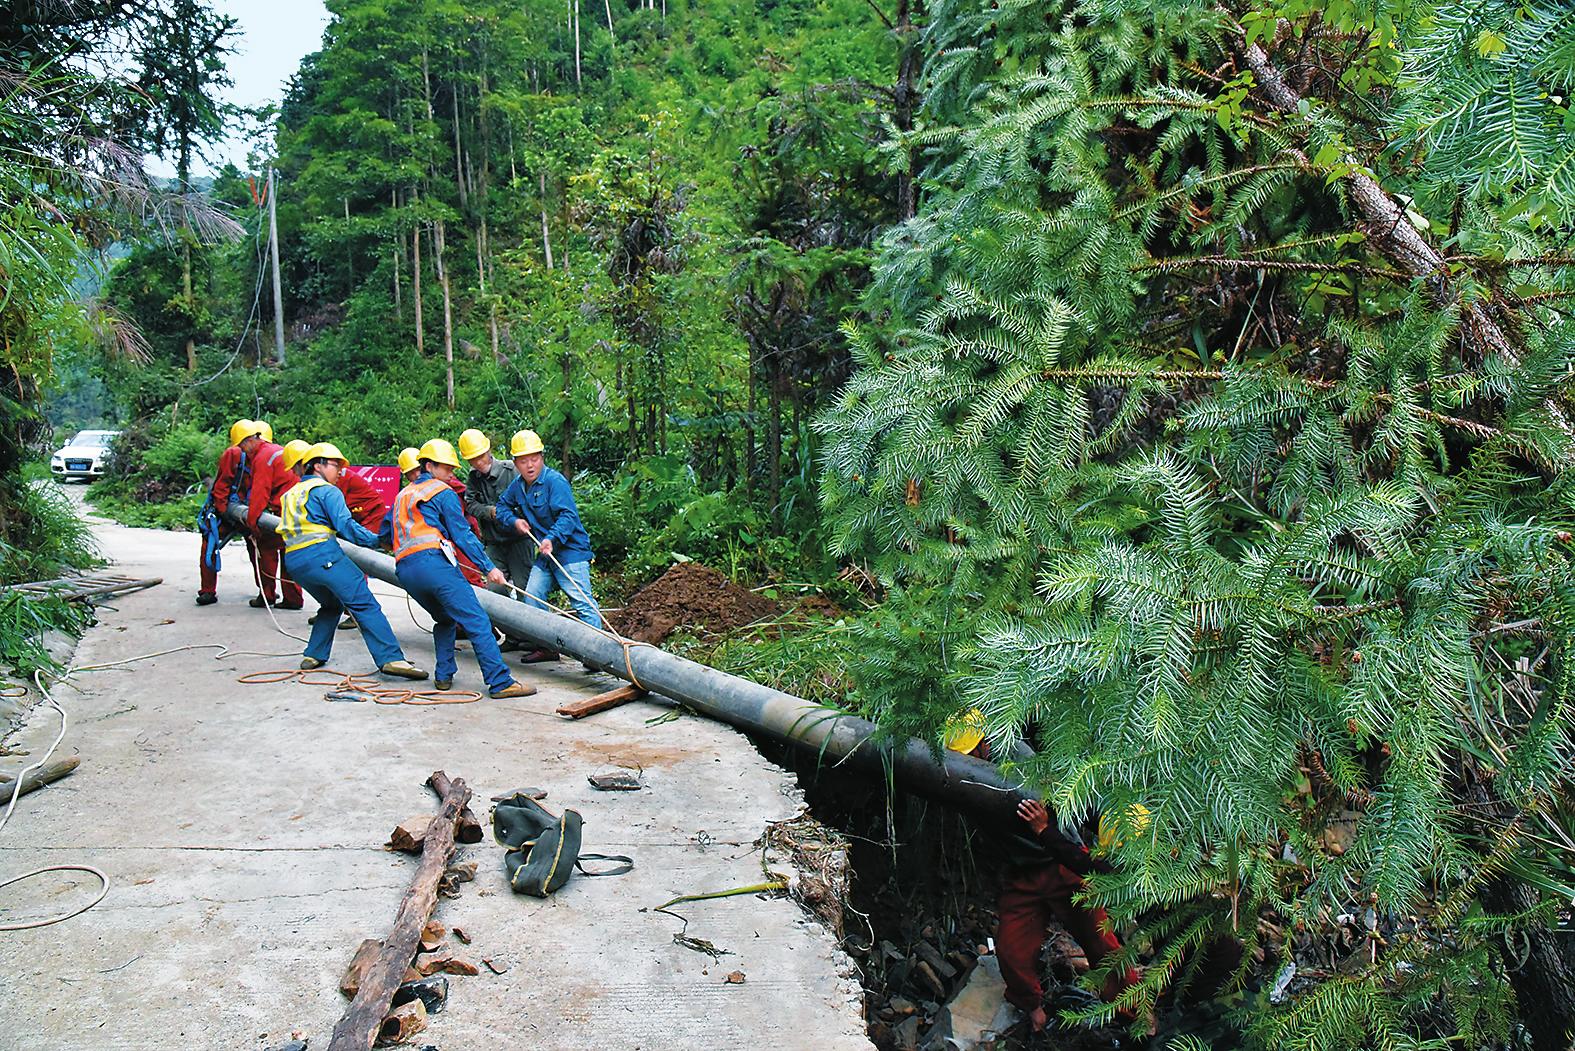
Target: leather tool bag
<point>543,848</point>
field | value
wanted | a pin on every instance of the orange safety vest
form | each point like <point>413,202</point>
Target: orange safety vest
<point>412,532</point>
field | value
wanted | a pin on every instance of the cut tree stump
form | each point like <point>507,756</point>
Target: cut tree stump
<point>364,1017</point>
<point>601,702</point>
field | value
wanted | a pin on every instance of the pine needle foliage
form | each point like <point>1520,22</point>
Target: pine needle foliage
<point>1225,508</point>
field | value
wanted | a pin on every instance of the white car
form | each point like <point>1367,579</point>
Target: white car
<point>83,456</point>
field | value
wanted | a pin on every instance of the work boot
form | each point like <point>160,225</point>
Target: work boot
<point>347,623</point>
<point>513,689</point>
<point>509,645</point>
<point>403,669</point>
<point>308,663</point>
<point>291,605</point>
<point>258,602</point>
<point>313,618</point>
<point>206,598</point>
<point>539,657</point>
<point>443,684</point>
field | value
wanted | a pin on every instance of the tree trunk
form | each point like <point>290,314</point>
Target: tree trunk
<point>903,102</point>
<point>749,422</point>
<point>774,432</point>
<point>399,250</point>
<point>576,43</point>
<point>607,4</point>
<point>546,237</point>
<point>1541,969</point>
<point>349,251</point>
<point>566,361</point>
<point>1384,221</point>
<point>459,153</point>
<point>415,288</point>
<point>448,313</point>
<point>191,300</point>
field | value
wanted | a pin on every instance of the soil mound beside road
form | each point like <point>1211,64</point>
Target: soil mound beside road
<point>690,595</point>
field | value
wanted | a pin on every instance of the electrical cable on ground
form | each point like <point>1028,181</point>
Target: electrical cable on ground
<point>364,684</point>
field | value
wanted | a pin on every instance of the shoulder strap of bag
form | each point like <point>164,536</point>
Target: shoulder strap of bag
<point>617,870</point>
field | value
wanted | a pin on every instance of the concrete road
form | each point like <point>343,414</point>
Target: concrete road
<point>242,829</point>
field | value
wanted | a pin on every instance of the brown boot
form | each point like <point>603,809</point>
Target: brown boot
<point>539,657</point>
<point>513,689</point>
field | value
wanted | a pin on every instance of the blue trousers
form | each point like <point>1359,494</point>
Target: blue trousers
<point>335,582</point>
<point>574,580</point>
<point>444,593</point>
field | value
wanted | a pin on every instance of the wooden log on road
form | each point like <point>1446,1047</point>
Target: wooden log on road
<point>468,830</point>
<point>601,702</point>
<point>52,771</point>
<point>364,1017</point>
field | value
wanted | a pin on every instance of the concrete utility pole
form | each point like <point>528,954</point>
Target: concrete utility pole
<point>278,303</point>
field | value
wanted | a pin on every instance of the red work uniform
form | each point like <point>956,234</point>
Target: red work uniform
<point>467,568</point>
<point>233,475</point>
<point>1037,888</point>
<point>270,481</point>
<point>366,506</point>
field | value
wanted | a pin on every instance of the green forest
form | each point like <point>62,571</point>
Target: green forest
<point>1184,385</point>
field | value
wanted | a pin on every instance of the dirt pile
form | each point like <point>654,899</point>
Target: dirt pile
<point>690,595</point>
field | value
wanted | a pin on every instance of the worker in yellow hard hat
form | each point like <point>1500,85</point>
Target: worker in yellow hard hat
<point>539,506</point>
<point>294,450</point>
<point>1044,873</point>
<point>264,429</point>
<point>409,463</point>
<point>489,477</point>
<point>270,480</point>
<point>231,476</point>
<point>426,526</point>
<point>313,515</point>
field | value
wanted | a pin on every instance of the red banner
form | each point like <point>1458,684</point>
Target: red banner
<point>384,479</point>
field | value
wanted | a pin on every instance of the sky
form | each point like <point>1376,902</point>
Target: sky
<point>272,38</point>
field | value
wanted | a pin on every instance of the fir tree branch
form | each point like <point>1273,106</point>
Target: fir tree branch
<point>1233,263</point>
<point>1388,228</point>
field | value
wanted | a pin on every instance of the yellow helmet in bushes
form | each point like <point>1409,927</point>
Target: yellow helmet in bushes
<point>264,429</point>
<point>1137,820</point>
<point>524,443</point>
<point>241,430</point>
<point>295,451</point>
<point>965,731</point>
<point>439,451</point>
<point>472,444</point>
<point>409,459</point>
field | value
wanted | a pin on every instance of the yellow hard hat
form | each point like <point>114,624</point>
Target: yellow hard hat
<point>439,451</point>
<point>473,443</point>
<point>241,430</point>
<point>1137,818</point>
<point>524,443</point>
<point>325,451</point>
<point>965,731</point>
<point>409,459</point>
<point>263,429</point>
<point>294,451</point>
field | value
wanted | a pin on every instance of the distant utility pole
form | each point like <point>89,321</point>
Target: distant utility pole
<point>278,303</point>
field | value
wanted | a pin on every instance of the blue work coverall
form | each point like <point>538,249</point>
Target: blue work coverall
<point>440,588</point>
<point>335,582</point>
<point>547,506</point>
